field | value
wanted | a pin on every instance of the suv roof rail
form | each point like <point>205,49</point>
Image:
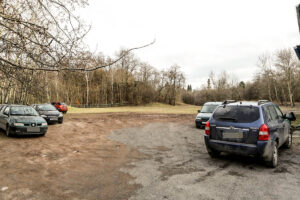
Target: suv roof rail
<point>228,101</point>
<point>260,102</point>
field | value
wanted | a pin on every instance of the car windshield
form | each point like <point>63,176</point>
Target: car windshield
<point>46,107</point>
<point>238,114</point>
<point>208,108</point>
<point>23,110</point>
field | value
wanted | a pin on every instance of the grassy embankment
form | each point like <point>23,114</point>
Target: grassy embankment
<point>149,108</point>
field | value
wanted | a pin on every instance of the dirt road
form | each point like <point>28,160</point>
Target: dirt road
<point>136,156</point>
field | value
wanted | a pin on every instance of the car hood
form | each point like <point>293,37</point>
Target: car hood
<point>49,112</point>
<point>27,119</point>
<point>204,115</point>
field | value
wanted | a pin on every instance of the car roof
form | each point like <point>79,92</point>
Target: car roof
<point>17,105</point>
<point>249,103</point>
<point>213,103</point>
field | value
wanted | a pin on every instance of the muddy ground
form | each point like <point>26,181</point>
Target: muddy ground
<point>136,156</point>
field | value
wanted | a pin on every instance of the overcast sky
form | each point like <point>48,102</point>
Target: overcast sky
<point>198,35</point>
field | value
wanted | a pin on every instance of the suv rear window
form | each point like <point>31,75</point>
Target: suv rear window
<point>238,114</point>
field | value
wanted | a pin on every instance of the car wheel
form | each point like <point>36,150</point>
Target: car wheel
<point>289,141</point>
<point>7,131</point>
<point>213,153</point>
<point>60,121</point>
<point>274,161</point>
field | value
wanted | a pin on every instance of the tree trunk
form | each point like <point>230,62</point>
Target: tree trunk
<point>87,88</point>
<point>291,96</point>
<point>276,94</point>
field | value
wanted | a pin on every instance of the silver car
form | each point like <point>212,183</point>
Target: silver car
<point>205,113</point>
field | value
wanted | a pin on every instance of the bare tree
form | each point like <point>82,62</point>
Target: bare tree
<point>44,35</point>
<point>265,64</point>
<point>286,63</point>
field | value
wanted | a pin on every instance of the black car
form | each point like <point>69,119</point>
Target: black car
<point>249,128</point>
<point>22,120</point>
<point>49,113</point>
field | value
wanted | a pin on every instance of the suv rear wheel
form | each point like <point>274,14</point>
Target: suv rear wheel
<point>274,161</point>
<point>7,131</point>
<point>213,153</point>
<point>289,141</point>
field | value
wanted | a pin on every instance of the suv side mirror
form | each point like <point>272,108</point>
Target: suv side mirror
<point>199,111</point>
<point>290,116</point>
<point>5,113</point>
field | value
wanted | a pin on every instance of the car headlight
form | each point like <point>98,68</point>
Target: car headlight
<point>60,114</point>
<point>43,116</point>
<point>199,118</point>
<point>44,124</point>
<point>18,124</point>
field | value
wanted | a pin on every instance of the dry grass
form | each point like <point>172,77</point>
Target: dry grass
<point>297,120</point>
<point>150,108</point>
<point>162,109</point>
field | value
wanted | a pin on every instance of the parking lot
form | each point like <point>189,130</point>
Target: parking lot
<point>136,156</point>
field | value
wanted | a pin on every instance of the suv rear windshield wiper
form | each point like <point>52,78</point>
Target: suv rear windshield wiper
<point>228,119</point>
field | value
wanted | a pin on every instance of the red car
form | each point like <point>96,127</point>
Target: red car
<point>60,106</point>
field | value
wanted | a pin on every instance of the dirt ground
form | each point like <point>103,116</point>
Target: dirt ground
<point>136,156</point>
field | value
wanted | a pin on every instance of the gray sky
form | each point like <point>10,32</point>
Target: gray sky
<point>198,35</point>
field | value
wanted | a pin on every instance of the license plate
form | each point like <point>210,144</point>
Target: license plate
<point>232,135</point>
<point>33,129</point>
<point>53,118</point>
<point>203,122</point>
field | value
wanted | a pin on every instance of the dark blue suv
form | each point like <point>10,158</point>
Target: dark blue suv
<point>249,128</point>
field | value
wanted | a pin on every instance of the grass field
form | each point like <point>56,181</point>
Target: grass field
<point>150,108</point>
<point>297,120</point>
<point>157,108</point>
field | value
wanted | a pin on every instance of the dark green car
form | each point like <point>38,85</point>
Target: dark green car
<point>22,120</point>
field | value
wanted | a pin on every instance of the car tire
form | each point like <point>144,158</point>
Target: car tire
<point>274,161</point>
<point>7,131</point>
<point>289,142</point>
<point>60,121</point>
<point>213,153</point>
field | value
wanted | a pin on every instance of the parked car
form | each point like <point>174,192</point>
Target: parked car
<point>60,106</point>
<point>22,120</point>
<point>205,113</point>
<point>249,128</point>
<point>49,113</point>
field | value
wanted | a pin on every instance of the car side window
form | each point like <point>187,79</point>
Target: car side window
<point>267,113</point>
<point>6,111</point>
<point>278,111</point>
<point>273,113</point>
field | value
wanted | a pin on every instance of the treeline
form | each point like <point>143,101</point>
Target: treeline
<point>130,81</point>
<point>278,79</point>
<point>43,58</point>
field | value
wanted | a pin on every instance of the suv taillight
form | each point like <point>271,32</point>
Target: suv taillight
<point>207,128</point>
<point>263,133</point>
